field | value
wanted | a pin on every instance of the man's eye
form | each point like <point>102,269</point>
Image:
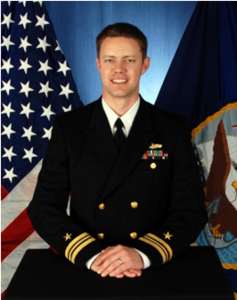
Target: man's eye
<point>109,60</point>
<point>130,60</point>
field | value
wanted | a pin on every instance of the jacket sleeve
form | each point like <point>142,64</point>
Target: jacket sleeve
<point>186,214</point>
<point>48,208</point>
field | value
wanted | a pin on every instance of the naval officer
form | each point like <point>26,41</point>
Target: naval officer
<point>136,196</point>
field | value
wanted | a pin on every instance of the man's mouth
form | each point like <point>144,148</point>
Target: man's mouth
<point>119,80</point>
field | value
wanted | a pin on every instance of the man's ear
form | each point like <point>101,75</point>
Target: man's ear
<point>146,64</point>
<point>98,63</point>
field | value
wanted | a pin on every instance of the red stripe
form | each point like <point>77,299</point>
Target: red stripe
<point>3,293</point>
<point>234,126</point>
<point>15,233</point>
<point>4,192</point>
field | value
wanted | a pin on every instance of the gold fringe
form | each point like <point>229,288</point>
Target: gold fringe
<point>196,130</point>
<point>230,266</point>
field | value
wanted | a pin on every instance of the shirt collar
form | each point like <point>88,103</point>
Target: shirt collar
<point>127,118</point>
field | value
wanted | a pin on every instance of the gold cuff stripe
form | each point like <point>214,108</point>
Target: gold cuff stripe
<point>159,240</point>
<point>155,246</point>
<point>161,246</point>
<point>80,248</point>
<point>76,245</point>
<point>73,242</point>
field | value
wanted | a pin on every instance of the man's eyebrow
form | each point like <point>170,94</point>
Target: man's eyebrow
<point>112,56</point>
<point>108,56</point>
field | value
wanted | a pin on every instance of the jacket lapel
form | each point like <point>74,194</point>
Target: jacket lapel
<point>140,138</point>
<point>100,137</point>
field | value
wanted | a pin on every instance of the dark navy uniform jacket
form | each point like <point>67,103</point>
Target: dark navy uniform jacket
<point>148,197</point>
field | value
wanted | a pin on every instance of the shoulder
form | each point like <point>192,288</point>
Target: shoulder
<point>163,117</point>
<point>80,116</point>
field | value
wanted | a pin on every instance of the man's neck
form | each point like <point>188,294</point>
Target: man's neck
<point>120,105</point>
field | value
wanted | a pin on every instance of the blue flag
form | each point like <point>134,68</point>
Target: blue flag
<point>201,85</point>
<point>36,85</point>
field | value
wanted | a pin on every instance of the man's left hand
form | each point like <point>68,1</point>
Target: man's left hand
<point>118,261</point>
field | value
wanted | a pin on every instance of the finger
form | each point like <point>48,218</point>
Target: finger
<point>137,272</point>
<point>128,273</point>
<point>107,267</point>
<point>111,262</point>
<point>107,253</point>
<point>94,268</point>
<point>120,276</point>
<point>106,249</point>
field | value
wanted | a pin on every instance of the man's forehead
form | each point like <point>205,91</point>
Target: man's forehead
<point>119,40</point>
<point>120,46</point>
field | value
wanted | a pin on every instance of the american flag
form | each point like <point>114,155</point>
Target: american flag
<point>36,85</point>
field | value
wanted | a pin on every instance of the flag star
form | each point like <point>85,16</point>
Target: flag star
<point>28,133</point>
<point>29,154</point>
<point>45,89</point>
<point>44,67</point>
<point>26,110</point>
<point>24,43</point>
<point>40,2</point>
<point>7,42</point>
<point>24,21</point>
<point>43,44</point>
<point>47,133</point>
<point>24,65</point>
<point>9,174</point>
<point>23,2</point>
<point>7,20</point>
<point>63,67</point>
<point>8,131</point>
<point>67,109</point>
<point>9,153</point>
<point>58,48</point>
<point>7,87</point>
<point>65,90</point>
<point>41,21</point>
<point>7,109</point>
<point>25,88</point>
<point>7,65</point>
<point>47,112</point>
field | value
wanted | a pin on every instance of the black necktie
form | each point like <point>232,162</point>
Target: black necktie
<point>119,134</point>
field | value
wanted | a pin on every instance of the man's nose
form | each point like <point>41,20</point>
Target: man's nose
<point>119,68</point>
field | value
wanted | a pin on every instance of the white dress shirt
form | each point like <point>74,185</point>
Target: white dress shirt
<point>127,120</point>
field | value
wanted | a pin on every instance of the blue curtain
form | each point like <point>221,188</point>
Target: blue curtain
<point>77,24</point>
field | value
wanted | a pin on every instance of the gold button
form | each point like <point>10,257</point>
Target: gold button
<point>102,206</point>
<point>133,235</point>
<point>101,236</point>
<point>134,204</point>
<point>153,165</point>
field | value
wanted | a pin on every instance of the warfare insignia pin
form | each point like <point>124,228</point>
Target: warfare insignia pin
<point>155,146</point>
<point>167,235</point>
<point>67,236</point>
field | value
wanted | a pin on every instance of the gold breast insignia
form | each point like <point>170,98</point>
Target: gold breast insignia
<point>155,146</point>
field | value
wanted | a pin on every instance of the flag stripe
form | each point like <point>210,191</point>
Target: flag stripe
<point>36,85</point>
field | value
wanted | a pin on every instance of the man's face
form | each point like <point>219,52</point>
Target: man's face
<point>121,65</point>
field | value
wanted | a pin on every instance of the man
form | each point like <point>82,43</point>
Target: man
<point>134,204</point>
